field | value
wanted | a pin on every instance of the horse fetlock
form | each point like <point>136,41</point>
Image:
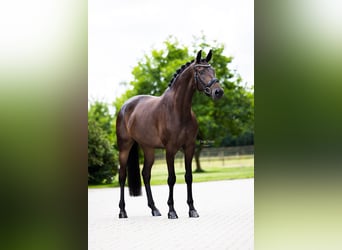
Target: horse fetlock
<point>122,205</point>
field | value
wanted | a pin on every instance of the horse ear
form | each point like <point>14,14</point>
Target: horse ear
<point>209,56</point>
<point>198,57</point>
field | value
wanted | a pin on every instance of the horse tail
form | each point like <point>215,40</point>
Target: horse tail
<point>133,171</point>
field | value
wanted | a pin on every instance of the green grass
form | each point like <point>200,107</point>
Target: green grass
<point>215,169</point>
<point>212,174</point>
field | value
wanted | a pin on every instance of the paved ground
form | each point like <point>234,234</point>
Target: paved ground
<point>226,221</point>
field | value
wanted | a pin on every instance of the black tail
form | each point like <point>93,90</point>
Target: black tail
<point>133,171</point>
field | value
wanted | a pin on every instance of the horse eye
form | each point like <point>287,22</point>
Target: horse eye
<point>201,72</point>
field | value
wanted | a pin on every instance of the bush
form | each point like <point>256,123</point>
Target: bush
<point>102,159</point>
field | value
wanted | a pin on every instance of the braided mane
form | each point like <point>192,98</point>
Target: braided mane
<point>181,69</point>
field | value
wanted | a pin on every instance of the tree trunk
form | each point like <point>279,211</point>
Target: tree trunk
<point>197,159</point>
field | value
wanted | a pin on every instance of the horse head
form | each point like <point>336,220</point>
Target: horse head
<point>205,77</point>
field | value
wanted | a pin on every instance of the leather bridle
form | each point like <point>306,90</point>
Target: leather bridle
<point>206,87</point>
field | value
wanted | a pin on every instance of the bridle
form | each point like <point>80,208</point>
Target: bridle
<point>206,87</point>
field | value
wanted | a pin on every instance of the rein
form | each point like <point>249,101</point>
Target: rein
<point>206,86</point>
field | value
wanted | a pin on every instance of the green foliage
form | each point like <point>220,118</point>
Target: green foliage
<point>102,158</point>
<point>153,72</point>
<point>220,121</point>
<point>99,113</point>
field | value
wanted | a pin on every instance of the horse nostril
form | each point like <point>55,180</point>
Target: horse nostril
<point>218,92</point>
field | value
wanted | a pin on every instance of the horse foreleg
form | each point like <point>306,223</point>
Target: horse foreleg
<point>146,173</point>
<point>188,153</point>
<point>171,180</point>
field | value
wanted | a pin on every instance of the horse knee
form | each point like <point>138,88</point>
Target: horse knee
<point>171,180</point>
<point>188,178</point>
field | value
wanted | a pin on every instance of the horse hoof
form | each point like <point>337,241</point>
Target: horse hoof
<point>123,215</point>
<point>193,214</point>
<point>172,215</point>
<point>156,212</point>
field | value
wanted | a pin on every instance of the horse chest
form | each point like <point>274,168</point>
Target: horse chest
<point>179,134</point>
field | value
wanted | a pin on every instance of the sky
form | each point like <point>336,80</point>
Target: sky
<point>121,32</point>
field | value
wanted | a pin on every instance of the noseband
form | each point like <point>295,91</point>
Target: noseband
<point>206,86</point>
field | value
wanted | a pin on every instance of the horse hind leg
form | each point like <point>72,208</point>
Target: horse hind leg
<point>122,180</point>
<point>123,157</point>
<point>146,173</point>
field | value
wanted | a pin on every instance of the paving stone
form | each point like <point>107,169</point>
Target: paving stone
<point>226,221</point>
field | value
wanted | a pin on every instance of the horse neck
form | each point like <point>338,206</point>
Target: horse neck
<point>182,92</point>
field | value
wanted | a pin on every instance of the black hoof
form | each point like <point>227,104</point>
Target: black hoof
<point>156,212</point>
<point>172,215</point>
<point>193,214</point>
<point>123,215</point>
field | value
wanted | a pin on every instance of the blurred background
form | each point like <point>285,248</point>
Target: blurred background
<point>298,48</point>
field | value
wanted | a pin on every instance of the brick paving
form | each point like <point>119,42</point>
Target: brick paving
<point>226,221</point>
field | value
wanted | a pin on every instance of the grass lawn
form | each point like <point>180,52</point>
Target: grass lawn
<point>227,168</point>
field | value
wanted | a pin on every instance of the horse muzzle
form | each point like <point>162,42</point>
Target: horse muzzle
<point>217,93</point>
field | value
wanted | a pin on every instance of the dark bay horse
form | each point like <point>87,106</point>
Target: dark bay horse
<point>165,122</point>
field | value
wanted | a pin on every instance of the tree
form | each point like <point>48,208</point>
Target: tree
<point>99,112</point>
<point>231,116</point>
<point>102,158</point>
